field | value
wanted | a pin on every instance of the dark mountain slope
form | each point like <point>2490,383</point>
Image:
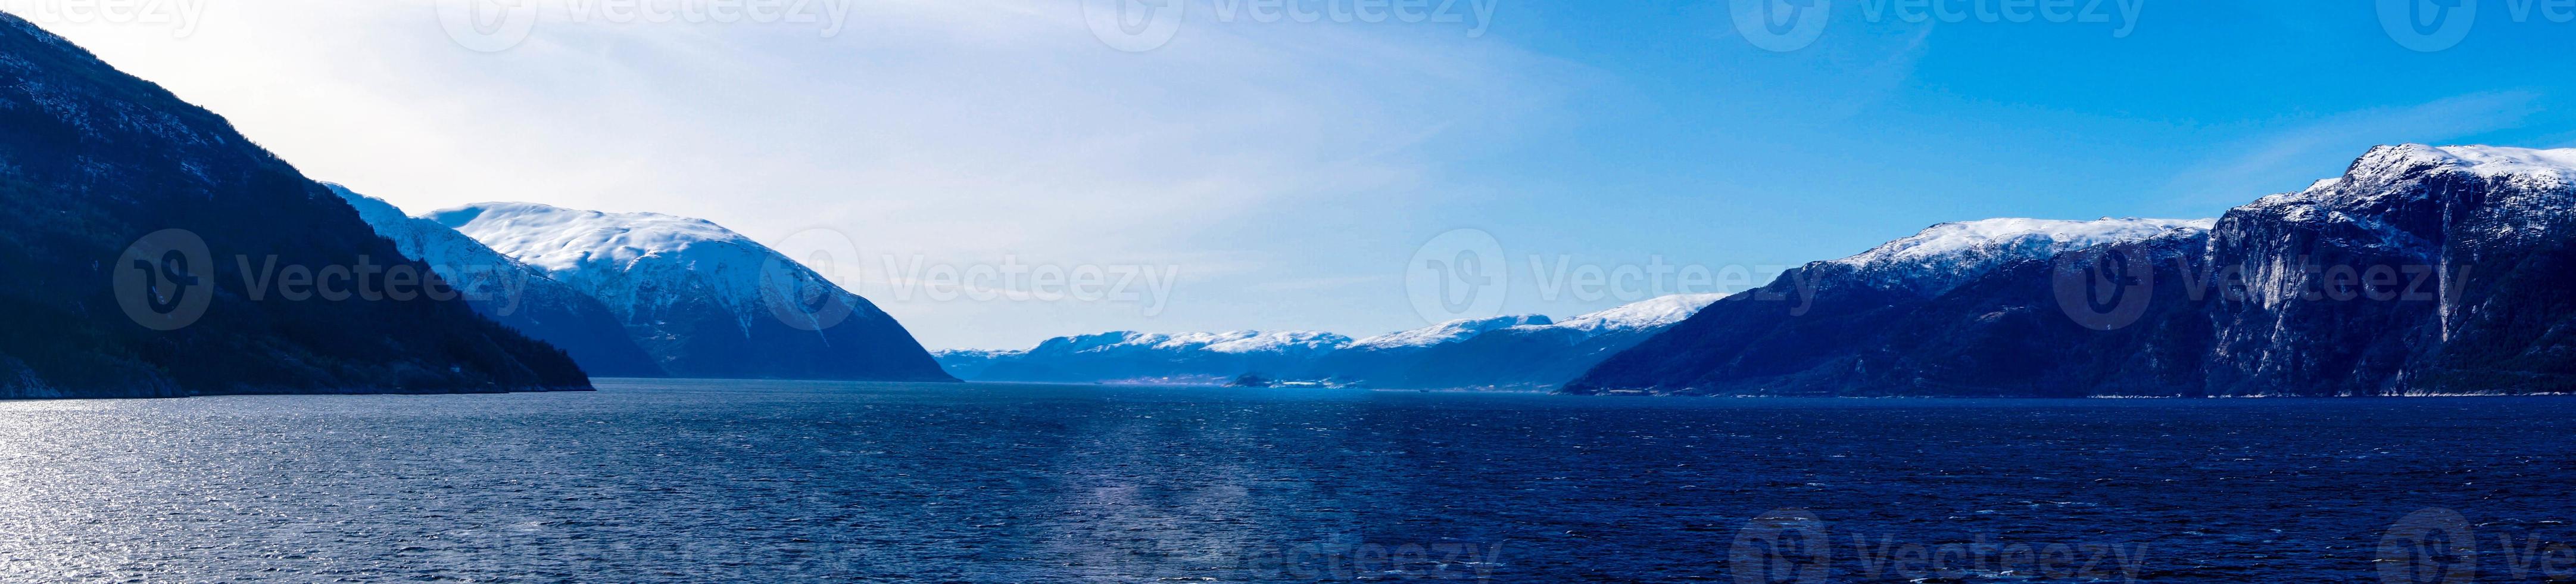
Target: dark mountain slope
<point>2006,333</point>
<point>93,160</point>
<point>1821,328</point>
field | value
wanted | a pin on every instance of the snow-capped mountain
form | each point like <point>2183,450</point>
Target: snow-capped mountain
<point>2480,237</point>
<point>2421,269</point>
<point>2546,169</point>
<point>702,300</point>
<point>1821,318</point>
<point>1945,255</point>
<point>1528,351</point>
<point>509,292</point>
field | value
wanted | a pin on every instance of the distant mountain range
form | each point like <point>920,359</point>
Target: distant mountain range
<point>2421,270</point>
<point>1520,351</point>
<point>1146,357</point>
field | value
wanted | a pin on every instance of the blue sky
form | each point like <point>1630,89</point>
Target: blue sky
<point>1286,174</point>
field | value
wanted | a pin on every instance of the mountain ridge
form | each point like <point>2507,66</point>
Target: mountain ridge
<point>2422,269</point>
<point>509,292</point>
<point>702,300</point>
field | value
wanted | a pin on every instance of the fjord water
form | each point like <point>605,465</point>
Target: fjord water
<point>697,481</point>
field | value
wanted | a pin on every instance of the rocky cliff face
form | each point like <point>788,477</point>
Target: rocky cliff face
<point>93,162</point>
<point>2421,270</point>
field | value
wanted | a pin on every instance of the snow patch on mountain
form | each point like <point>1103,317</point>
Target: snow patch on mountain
<point>2542,187</point>
<point>1449,332</point>
<point>1232,342</point>
<point>2486,161</point>
<point>1245,341</point>
<point>1282,342</point>
<point>562,240</point>
<point>459,259</point>
<point>1946,244</point>
<point>509,292</point>
<point>1944,255</point>
<point>1648,314</point>
<point>634,261</point>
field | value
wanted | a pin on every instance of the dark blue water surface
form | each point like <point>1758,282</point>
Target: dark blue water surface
<point>699,481</point>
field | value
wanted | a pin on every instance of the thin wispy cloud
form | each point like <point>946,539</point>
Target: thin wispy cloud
<point>960,131</point>
<point>2288,159</point>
